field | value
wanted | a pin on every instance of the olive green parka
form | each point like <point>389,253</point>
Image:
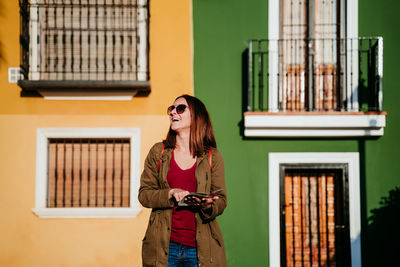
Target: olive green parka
<point>153,193</point>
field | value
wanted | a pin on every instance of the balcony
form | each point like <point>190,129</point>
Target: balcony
<point>315,88</point>
<point>93,49</point>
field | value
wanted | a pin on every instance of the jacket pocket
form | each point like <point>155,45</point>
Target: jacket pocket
<point>148,253</point>
<point>216,233</point>
<point>217,250</point>
<point>149,242</point>
<point>150,227</point>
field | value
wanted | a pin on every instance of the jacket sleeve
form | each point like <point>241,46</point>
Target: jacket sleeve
<point>217,182</point>
<point>151,194</point>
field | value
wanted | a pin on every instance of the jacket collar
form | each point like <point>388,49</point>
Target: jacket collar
<point>167,154</point>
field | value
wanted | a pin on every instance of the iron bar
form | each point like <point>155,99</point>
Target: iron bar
<point>260,77</point>
<point>66,189</point>
<point>250,88</point>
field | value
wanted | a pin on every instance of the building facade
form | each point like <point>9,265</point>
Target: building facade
<point>287,86</point>
<point>303,101</point>
<point>59,206</point>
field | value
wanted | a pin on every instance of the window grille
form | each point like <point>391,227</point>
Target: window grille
<point>97,42</point>
<point>315,230</point>
<point>88,173</point>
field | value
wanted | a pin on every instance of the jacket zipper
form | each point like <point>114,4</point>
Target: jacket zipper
<point>209,241</point>
<point>165,182</point>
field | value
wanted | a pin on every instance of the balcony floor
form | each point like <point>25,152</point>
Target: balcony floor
<point>314,124</point>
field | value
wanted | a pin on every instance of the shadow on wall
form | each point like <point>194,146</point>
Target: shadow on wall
<point>245,93</point>
<point>2,60</point>
<point>1,52</point>
<point>383,232</point>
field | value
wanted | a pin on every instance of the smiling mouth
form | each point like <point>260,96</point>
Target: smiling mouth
<point>174,120</point>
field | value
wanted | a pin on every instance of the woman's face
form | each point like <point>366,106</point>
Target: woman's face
<point>180,122</point>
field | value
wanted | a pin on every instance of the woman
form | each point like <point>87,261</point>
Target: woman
<point>181,164</point>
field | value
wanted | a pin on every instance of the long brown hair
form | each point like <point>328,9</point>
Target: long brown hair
<point>201,130</point>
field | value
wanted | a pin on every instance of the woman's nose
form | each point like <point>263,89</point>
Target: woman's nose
<point>173,112</point>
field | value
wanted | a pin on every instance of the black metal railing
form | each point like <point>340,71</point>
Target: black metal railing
<point>24,37</point>
<point>84,40</point>
<point>315,75</point>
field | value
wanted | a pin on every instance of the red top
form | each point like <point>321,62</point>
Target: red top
<point>183,229</point>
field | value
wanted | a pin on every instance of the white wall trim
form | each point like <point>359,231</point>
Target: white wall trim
<point>273,56</point>
<point>143,39</point>
<point>352,159</point>
<point>352,54</point>
<point>86,212</point>
<point>352,19</point>
<point>380,71</point>
<point>90,98</point>
<point>41,172</point>
<point>35,47</point>
<point>314,125</point>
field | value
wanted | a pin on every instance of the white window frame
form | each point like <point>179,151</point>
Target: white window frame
<point>273,63</point>
<point>43,134</point>
<point>349,158</point>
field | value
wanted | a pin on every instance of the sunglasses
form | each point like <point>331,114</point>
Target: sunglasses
<point>179,109</point>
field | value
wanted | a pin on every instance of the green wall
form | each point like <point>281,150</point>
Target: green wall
<point>221,31</point>
<point>381,18</point>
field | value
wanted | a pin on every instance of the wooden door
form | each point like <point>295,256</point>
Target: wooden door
<point>314,218</point>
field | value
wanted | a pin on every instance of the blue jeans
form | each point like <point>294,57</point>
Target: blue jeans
<point>181,256</point>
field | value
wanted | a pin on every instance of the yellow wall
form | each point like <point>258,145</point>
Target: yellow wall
<point>27,240</point>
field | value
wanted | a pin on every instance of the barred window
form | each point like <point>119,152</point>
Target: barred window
<point>87,172</point>
<point>84,43</point>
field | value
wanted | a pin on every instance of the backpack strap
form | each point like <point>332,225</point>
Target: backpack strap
<point>159,162</point>
<point>210,157</point>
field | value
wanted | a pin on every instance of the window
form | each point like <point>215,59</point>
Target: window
<point>309,40</point>
<point>316,64</point>
<point>314,209</point>
<point>84,46</point>
<point>87,172</point>
<point>314,76</point>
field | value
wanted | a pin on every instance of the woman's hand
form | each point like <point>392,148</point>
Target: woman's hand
<point>177,193</point>
<point>204,203</point>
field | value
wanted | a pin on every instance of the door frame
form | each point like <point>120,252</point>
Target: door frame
<point>349,158</point>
